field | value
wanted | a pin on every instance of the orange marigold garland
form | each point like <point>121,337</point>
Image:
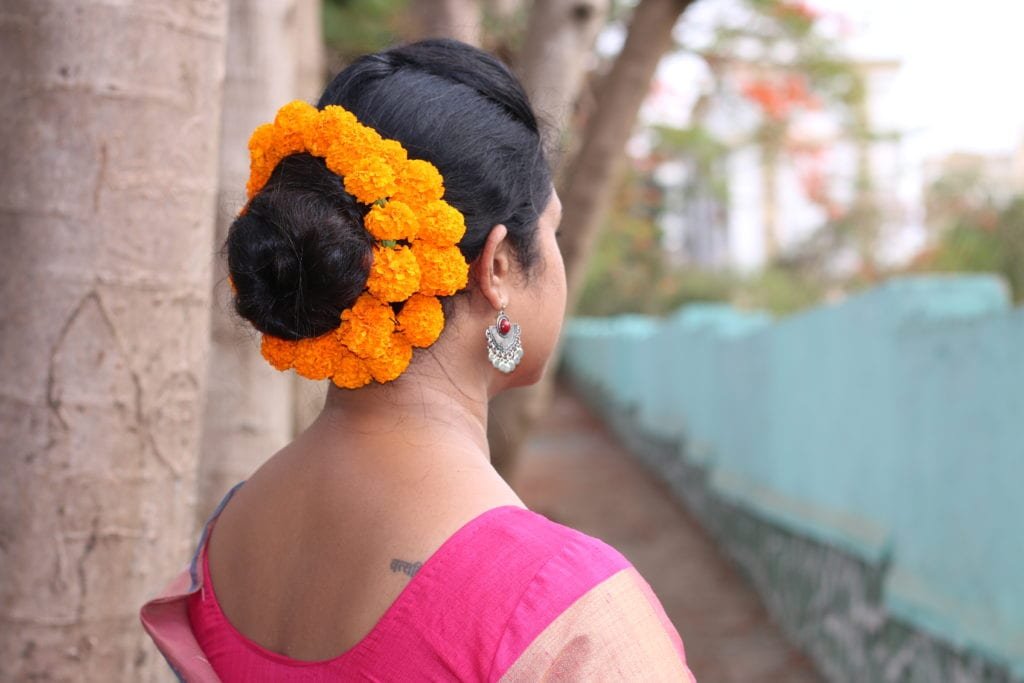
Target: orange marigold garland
<point>394,221</point>
<point>278,352</point>
<point>394,275</point>
<point>392,363</point>
<point>421,320</point>
<point>442,271</point>
<point>441,223</point>
<point>415,256</point>
<point>350,371</point>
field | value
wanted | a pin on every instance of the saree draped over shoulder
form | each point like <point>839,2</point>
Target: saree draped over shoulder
<point>511,596</point>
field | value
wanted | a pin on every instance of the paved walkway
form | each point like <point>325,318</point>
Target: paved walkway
<point>575,472</point>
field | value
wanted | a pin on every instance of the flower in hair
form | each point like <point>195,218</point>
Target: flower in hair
<point>421,320</point>
<point>278,352</point>
<point>367,326</point>
<point>441,224</point>
<point>394,275</point>
<point>393,362</point>
<point>415,254</point>
<point>370,179</point>
<point>419,182</point>
<point>314,358</point>
<point>441,272</point>
<point>350,371</point>
<point>393,221</point>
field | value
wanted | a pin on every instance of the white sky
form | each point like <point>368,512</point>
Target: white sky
<point>959,86</point>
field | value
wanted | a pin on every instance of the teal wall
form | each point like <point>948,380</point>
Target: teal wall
<point>891,423</point>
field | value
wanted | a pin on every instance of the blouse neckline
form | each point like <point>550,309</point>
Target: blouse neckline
<point>386,620</point>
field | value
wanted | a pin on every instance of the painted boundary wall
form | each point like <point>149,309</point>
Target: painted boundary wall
<point>863,462</point>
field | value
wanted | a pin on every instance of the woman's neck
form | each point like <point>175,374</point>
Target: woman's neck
<point>418,410</point>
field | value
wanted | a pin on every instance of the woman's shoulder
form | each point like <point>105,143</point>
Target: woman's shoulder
<point>518,594</point>
<point>582,609</point>
<point>537,540</point>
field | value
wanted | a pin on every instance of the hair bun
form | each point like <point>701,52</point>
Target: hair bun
<point>300,254</point>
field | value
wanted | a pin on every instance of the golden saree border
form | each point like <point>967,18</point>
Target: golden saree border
<point>617,631</point>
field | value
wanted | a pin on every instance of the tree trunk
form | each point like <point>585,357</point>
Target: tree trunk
<point>310,52</point>
<point>591,178</point>
<point>249,406</point>
<point>308,397</point>
<point>109,167</point>
<point>769,199</point>
<point>560,38</point>
<point>595,170</point>
<point>459,19</point>
<point>553,62</point>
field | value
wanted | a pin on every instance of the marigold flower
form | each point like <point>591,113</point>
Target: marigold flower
<point>406,206</point>
<point>393,362</point>
<point>296,117</point>
<point>421,320</point>
<point>367,326</point>
<point>330,127</point>
<point>263,157</point>
<point>355,143</point>
<point>350,371</point>
<point>443,270</point>
<point>314,358</point>
<point>394,275</point>
<point>393,221</point>
<point>441,224</point>
<point>370,179</point>
<point>279,352</point>
<point>393,153</point>
<point>419,182</point>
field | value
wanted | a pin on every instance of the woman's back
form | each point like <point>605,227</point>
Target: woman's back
<point>509,596</point>
<point>302,556</point>
<point>393,234</point>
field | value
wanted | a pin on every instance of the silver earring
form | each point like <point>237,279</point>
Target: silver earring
<point>504,347</point>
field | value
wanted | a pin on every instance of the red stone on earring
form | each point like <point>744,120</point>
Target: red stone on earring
<point>504,326</point>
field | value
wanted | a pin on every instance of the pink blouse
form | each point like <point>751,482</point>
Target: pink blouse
<point>510,596</point>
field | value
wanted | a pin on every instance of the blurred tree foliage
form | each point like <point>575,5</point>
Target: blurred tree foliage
<point>771,54</point>
<point>356,27</point>
<point>630,272</point>
<point>980,228</point>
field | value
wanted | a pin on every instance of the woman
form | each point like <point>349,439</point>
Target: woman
<point>393,235</point>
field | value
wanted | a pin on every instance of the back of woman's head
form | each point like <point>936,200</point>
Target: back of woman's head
<point>300,254</point>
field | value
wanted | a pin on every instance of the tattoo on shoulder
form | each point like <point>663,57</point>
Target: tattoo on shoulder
<point>407,568</point>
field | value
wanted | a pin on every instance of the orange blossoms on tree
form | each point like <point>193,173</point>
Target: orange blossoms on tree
<point>415,252</point>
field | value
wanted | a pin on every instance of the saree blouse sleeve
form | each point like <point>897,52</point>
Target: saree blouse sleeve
<point>616,632</point>
<point>588,615</point>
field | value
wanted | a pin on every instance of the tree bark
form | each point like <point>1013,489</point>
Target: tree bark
<point>552,65</point>
<point>595,170</point>
<point>559,42</point>
<point>310,51</point>
<point>308,397</point>
<point>249,406</point>
<point>591,178</point>
<point>108,168</point>
<point>275,54</point>
<point>459,19</point>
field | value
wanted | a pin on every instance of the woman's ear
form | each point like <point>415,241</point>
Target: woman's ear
<point>494,268</point>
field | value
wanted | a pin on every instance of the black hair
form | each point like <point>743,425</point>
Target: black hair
<point>300,254</point>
